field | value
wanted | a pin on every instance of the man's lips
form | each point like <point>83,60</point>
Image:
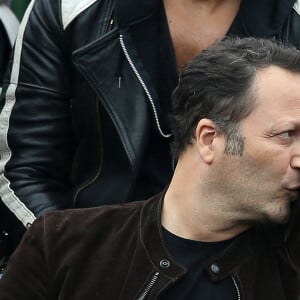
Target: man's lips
<point>293,187</point>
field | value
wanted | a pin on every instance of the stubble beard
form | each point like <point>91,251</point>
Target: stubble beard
<point>280,210</point>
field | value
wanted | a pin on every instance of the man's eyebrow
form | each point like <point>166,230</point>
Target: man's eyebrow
<point>275,127</point>
<point>285,125</point>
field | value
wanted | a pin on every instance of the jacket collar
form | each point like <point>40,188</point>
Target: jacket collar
<point>152,237</point>
<point>238,253</point>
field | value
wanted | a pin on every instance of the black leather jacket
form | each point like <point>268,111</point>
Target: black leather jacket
<point>81,112</point>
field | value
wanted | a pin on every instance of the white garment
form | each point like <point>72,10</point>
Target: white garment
<point>10,22</point>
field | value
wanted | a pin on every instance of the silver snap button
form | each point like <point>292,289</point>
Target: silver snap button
<point>28,225</point>
<point>164,263</point>
<point>4,233</point>
<point>215,268</point>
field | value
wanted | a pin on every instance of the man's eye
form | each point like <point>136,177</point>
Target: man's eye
<point>286,134</point>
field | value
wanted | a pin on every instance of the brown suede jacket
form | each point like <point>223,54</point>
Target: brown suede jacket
<point>118,252</point>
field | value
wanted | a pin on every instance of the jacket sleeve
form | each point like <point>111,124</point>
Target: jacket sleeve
<point>27,276</point>
<point>36,142</point>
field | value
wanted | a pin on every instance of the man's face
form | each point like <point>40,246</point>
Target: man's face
<point>263,182</point>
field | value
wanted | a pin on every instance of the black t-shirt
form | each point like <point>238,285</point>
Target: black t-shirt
<point>196,283</point>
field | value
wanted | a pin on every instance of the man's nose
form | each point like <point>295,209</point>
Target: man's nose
<point>295,159</point>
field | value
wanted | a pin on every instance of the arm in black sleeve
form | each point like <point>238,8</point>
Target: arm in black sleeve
<point>36,141</point>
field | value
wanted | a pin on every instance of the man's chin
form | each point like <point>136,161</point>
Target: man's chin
<point>283,213</point>
<point>293,196</point>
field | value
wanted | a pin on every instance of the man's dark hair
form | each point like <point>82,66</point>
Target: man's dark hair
<point>218,85</point>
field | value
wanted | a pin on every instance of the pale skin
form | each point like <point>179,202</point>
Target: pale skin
<point>196,24</point>
<point>215,196</point>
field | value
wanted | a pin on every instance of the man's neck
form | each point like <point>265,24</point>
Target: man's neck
<point>196,24</point>
<point>192,214</point>
<point>198,226</point>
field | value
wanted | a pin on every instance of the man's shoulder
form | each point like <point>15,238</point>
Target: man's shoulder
<point>115,214</point>
<point>84,226</point>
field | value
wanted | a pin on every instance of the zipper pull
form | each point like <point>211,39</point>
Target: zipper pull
<point>111,23</point>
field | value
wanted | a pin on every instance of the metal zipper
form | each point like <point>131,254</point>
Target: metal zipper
<point>110,24</point>
<point>237,288</point>
<point>148,287</point>
<point>143,85</point>
<point>92,180</point>
<point>109,16</point>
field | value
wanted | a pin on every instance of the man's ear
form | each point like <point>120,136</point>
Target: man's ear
<point>206,133</point>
